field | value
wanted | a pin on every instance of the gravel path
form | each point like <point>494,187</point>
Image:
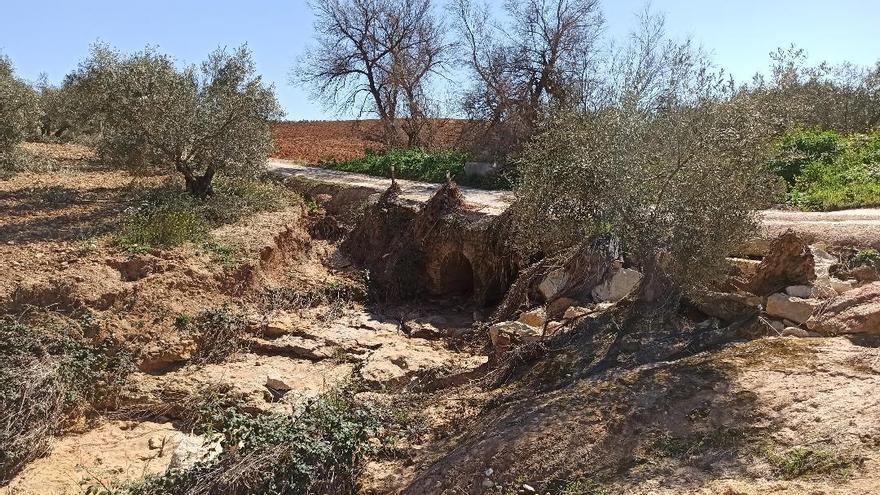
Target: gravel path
<point>859,227</point>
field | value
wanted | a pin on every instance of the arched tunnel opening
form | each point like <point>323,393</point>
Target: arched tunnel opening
<point>453,275</point>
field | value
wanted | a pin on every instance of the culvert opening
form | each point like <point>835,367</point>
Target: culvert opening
<point>454,275</point>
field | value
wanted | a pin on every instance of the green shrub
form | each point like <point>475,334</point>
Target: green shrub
<point>418,164</point>
<point>802,461</point>
<point>167,216</point>
<point>320,450</point>
<point>827,172</point>
<point>221,333</point>
<point>48,375</point>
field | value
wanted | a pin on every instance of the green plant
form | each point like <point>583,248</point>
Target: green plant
<point>182,321</point>
<point>221,254</point>
<point>418,164</point>
<point>47,375</point>
<point>18,112</point>
<point>196,122</point>
<point>803,461</point>
<point>866,257</point>
<point>318,450</point>
<point>219,333</point>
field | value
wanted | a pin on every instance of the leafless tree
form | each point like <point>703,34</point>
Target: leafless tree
<point>541,56</point>
<point>378,55</point>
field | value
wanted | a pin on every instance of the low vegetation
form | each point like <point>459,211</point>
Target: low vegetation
<point>319,450</point>
<point>49,376</point>
<point>418,164</point>
<point>804,461</point>
<point>829,171</point>
<point>166,216</point>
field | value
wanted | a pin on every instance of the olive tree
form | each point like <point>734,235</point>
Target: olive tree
<point>18,109</point>
<point>197,122</point>
<point>674,167</point>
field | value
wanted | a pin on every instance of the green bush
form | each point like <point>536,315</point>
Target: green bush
<point>320,450</point>
<point>418,164</point>
<point>830,172</point>
<point>167,216</point>
<point>48,375</point>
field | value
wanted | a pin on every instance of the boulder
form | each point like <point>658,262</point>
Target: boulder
<point>795,332</point>
<point>789,262</point>
<point>553,283</point>
<point>842,286</point>
<point>533,318</point>
<point>728,306</point>
<point>802,291</point>
<point>621,282</point>
<point>856,311</point>
<point>508,333</point>
<point>791,308</point>
<point>397,363</point>
<point>196,449</point>
<point>744,266</point>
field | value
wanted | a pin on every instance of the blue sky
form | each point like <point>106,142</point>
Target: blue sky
<point>52,35</point>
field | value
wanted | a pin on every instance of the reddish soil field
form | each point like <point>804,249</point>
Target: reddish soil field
<point>315,141</point>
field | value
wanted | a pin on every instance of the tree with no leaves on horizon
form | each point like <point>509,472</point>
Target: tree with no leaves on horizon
<point>378,56</point>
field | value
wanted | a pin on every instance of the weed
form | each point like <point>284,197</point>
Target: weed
<point>182,321</point>
<point>221,254</point>
<point>803,461</point>
<point>319,450</point>
<point>866,257</point>
<point>46,377</point>
<point>220,333</point>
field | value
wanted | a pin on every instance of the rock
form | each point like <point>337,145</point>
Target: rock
<point>277,385</point>
<point>280,326</point>
<point>842,286</point>
<point>398,363</point>
<point>727,306</point>
<point>791,308</point>
<point>795,332</point>
<point>553,283</point>
<point>790,262</point>
<point>487,483</point>
<point>618,286</point>
<point>534,318</point>
<point>801,291</point>
<point>744,266</point>
<point>294,346</point>
<point>526,488</point>
<point>505,334</point>
<point>856,311</point>
<point>195,449</point>
<point>577,312</point>
<point>480,169</point>
<point>777,325</point>
<point>162,355</point>
<point>558,307</point>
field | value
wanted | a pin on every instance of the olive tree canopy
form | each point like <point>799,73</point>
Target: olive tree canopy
<point>198,122</point>
<point>674,167</point>
<point>18,109</point>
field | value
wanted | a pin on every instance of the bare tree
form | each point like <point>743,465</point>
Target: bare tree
<point>542,56</point>
<point>378,55</point>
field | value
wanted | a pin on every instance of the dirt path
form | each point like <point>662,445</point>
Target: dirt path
<point>849,227</point>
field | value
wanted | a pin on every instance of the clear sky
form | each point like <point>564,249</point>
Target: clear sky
<point>53,35</point>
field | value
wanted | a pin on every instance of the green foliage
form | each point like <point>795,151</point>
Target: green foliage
<point>220,333</point>
<point>47,375</point>
<point>320,450</point>
<point>166,216</point>
<point>866,257</point>
<point>182,321</point>
<point>418,164</point>
<point>214,120</point>
<point>803,461</point>
<point>827,171</point>
<point>18,112</point>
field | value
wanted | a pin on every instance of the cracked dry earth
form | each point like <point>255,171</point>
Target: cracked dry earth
<point>60,263</point>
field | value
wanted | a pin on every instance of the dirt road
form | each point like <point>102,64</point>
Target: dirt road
<point>848,227</point>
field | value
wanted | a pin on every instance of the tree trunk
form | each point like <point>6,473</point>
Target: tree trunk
<point>199,186</point>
